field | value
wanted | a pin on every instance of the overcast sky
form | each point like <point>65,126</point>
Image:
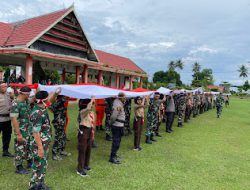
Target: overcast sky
<point>216,33</point>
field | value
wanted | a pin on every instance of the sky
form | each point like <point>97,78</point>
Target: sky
<point>214,33</point>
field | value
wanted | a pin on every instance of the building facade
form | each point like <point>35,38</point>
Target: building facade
<point>57,41</point>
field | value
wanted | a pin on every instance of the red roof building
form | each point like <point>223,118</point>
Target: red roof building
<point>56,41</point>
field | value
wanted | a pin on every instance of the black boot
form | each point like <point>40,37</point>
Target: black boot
<point>148,141</point>
<point>6,153</point>
<point>114,160</point>
<point>21,170</point>
<point>158,135</point>
<point>108,137</point>
<point>29,164</point>
<point>152,138</point>
<point>179,124</point>
<point>101,128</point>
<point>42,186</point>
<point>97,128</point>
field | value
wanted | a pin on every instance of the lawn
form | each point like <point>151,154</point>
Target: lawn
<point>208,153</point>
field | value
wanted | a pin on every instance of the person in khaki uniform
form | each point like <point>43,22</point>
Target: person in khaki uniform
<point>5,123</point>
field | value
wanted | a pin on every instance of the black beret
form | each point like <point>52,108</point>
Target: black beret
<point>25,89</point>
<point>42,95</point>
<point>157,93</point>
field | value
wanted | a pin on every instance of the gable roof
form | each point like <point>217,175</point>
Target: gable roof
<point>116,61</point>
<point>25,31</point>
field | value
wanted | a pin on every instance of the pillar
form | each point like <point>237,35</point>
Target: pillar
<point>63,75</point>
<point>100,77</point>
<point>85,74</point>
<point>29,69</point>
<point>117,81</point>
<point>141,82</point>
<point>131,83</point>
<point>77,74</point>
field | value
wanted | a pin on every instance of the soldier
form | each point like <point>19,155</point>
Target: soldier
<point>19,114</point>
<point>170,112</point>
<point>219,102</point>
<point>139,108</point>
<point>41,138</point>
<point>108,112</point>
<point>161,116</point>
<point>226,99</point>
<point>127,109</point>
<point>5,123</point>
<point>196,104</point>
<point>153,117</point>
<point>188,107</point>
<point>85,135</point>
<point>117,125</point>
<point>59,110</point>
<point>181,108</point>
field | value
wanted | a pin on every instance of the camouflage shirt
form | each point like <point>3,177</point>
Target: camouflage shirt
<point>153,109</point>
<point>219,100</point>
<point>40,123</point>
<point>21,110</point>
<point>58,108</point>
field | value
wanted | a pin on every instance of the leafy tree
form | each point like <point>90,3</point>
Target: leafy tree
<point>246,86</point>
<point>201,78</point>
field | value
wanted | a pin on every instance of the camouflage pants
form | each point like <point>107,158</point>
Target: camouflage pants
<point>60,138</point>
<point>219,110</point>
<point>39,167</point>
<point>107,125</point>
<point>22,151</point>
<point>151,126</point>
<point>195,110</point>
<point>181,115</point>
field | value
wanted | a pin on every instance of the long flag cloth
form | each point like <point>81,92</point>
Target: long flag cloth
<point>86,91</point>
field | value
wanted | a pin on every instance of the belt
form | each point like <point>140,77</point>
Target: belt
<point>5,115</point>
<point>120,121</point>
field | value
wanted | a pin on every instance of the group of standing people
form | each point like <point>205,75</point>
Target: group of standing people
<point>30,119</point>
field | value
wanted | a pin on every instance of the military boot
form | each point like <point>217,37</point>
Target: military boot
<point>108,137</point>
<point>152,138</point>
<point>21,170</point>
<point>29,164</point>
<point>148,141</point>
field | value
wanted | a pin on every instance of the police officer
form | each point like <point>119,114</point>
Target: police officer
<point>19,114</point>
<point>117,125</point>
<point>5,123</point>
<point>41,138</point>
<point>170,112</point>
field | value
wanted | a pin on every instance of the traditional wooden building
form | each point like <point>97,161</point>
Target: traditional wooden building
<point>57,41</point>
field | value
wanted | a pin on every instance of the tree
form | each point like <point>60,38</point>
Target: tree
<point>243,71</point>
<point>159,76</point>
<point>179,64</point>
<point>246,86</point>
<point>171,66</point>
<point>202,78</point>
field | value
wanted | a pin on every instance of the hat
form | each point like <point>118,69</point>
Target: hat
<point>157,93</point>
<point>42,95</point>
<point>121,94</point>
<point>25,90</point>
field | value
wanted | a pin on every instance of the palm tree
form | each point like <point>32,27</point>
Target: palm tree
<point>243,71</point>
<point>171,66</point>
<point>179,64</point>
<point>196,69</point>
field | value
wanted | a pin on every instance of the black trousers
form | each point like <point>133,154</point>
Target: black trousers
<point>117,133</point>
<point>84,147</point>
<point>170,120</point>
<point>6,129</point>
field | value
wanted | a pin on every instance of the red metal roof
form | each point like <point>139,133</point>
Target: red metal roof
<point>116,61</point>
<point>25,31</point>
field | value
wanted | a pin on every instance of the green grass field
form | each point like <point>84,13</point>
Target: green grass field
<point>208,153</point>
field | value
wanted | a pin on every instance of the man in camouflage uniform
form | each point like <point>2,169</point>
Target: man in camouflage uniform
<point>153,117</point>
<point>19,114</point>
<point>181,108</point>
<point>127,109</point>
<point>196,104</point>
<point>59,110</point>
<point>188,107</point>
<point>41,138</point>
<point>219,102</point>
<point>108,112</point>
